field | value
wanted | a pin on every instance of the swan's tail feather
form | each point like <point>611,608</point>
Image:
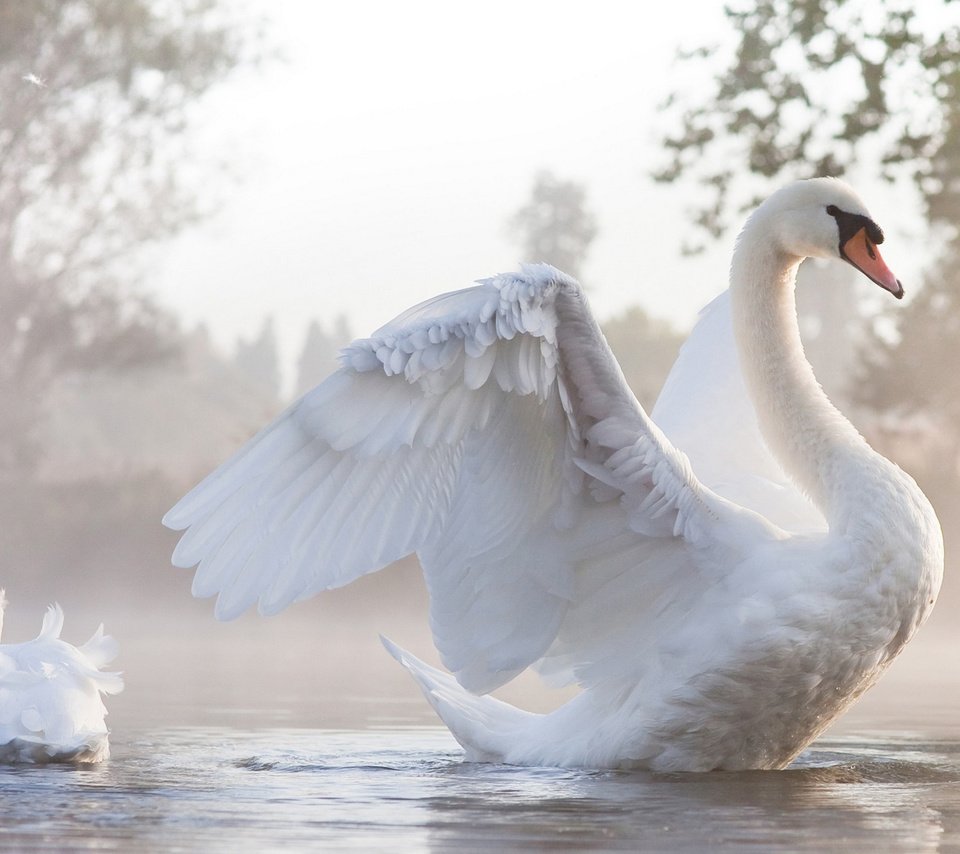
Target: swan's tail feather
<point>52,623</point>
<point>101,649</point>
<point>486,728</point>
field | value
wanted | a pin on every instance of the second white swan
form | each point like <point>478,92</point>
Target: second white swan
<point>722,579</point>
<point>51,706</point>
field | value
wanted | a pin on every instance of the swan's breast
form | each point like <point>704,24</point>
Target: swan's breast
<point>800,639</point>
<point>897,549</point>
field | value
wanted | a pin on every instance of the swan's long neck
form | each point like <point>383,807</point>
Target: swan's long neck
<point>813,442</point>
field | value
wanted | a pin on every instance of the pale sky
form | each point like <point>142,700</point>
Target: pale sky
<point>383,159</point>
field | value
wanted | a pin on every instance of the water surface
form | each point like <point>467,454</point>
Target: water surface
<point>265,735</point>
<point>407,789</point>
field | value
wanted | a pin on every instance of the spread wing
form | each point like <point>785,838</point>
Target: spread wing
<point>491,431</point>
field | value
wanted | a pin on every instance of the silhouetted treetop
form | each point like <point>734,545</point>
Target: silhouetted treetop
<point>259,361</point>
<point>318,358</point>
<point>813,87</point>
<point>554,225</point>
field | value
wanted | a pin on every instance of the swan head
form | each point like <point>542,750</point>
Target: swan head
<point>825,218</point>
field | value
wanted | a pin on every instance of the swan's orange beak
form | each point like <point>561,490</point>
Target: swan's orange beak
<point>862,252</point>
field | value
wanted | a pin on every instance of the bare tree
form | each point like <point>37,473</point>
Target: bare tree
<point>257,359</point>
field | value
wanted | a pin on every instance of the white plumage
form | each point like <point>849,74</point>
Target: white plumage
<point>721,580</point>
<point>50,704</point>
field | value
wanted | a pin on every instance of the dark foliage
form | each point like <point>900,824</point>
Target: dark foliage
<point>815,87</point>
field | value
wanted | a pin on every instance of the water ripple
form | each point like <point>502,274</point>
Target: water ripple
<point>218,789</point>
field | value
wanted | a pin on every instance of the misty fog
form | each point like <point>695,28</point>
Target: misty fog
<point>126,378</point>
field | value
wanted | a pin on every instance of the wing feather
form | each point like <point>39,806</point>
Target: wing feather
<point>491,431</point>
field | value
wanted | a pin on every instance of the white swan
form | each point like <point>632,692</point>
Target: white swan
<point>50,705</point>
<point>713,616</point>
